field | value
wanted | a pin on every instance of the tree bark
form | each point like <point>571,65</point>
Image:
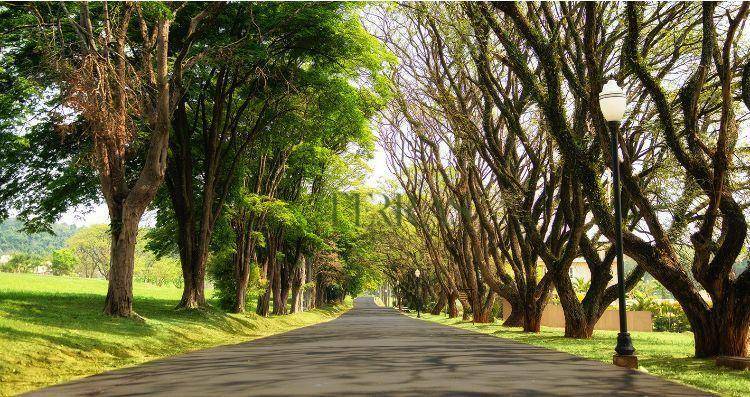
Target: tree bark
<point>308,295</point>
<point>264,300</point>
<point>242,259</point>
<point>439,305</point>
<point>242,279</point>
<point>319,292</point>
<point>298,279</point>
<point>452,307</point>
<point>126,205</point>
<point>723,331</point>
<point>532,319</point>
<point>465,310</point>
<point>240,299</point>
<point>119,300</point>
<point>278,288</point>
<point>515,317</point>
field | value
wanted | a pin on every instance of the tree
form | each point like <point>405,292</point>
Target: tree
<point>23,263</point>
<point>63,262</point>
<point>553,220</point>
<point>259,71</point>
<point>104,71</point>
<point>91,246</point>
<point>455,158</point>
<point>110,66</point>
<point>693,144</point>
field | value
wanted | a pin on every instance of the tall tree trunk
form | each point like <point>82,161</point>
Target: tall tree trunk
<point>179,182</point>
<point>296,300</point>
<point>723,331</point>
<point>452,307</point>
<point>532,321</point>
<point>483,312</point>
<point>242,260</point>
<point>264,300</point>
<point>241,296</point>
<point>439,305</point>
<point>532,316</point>
<point>515,317</point>
<point>465,310</point>
<point>320,291</point>
<point>127,204</point>
<point>298,279</point>
<point>279,303</point>
<point>193,293</point>
<point>308,294</point>
<point>242,278</point>
<point>577,323</point>
<point>119,300</point>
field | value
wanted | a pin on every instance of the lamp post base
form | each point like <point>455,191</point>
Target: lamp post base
<point>630,361</point>
<point>624,344</point>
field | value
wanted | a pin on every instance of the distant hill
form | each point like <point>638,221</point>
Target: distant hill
<point>12,240</point>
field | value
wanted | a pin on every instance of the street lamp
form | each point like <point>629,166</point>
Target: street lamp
<point>419,299</point>
<point>612,103</point>
<point>397,296</point>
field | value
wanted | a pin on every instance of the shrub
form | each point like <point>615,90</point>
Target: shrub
<point>22,263</point>
<point>158,271</point>
<point>64,262</point>
<point>221,272</point>
<point>669,317</point>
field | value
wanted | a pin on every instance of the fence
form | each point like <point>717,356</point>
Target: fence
<point>554,316</point>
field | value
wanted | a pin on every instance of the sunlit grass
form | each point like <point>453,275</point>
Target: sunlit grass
<point>664,354</point>
<point>52,329</point>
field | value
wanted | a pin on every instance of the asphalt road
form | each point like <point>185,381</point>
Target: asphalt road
<point>373,351</point>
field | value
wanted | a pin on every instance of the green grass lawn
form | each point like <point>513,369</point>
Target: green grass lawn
<point>664,354</point>
<point>52,329</point>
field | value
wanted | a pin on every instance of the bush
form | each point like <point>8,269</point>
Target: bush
<point>22,263</point>
<point>221,272</point>
<point>670,318</point>
<point>158,271</point>
<point>64,262</point>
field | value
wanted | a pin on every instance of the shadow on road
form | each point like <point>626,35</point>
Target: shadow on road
<point>375,351</point>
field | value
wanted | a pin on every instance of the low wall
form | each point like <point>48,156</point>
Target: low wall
<point>554,316</point>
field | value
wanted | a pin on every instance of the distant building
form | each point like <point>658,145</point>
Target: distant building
<point>43,269</point>
<point>579,270</point>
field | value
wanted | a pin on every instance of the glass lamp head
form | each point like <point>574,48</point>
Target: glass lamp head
<point>612,101</point>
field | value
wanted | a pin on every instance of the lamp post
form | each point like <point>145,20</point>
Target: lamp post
<point>397,303</point>
<point>419,298</point>
<point>612,103</point>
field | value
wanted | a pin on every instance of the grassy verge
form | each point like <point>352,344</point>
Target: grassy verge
<point>52,329</point>
<point>664,354</point>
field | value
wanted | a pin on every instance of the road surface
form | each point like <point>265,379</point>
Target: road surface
<point>373,351</point>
